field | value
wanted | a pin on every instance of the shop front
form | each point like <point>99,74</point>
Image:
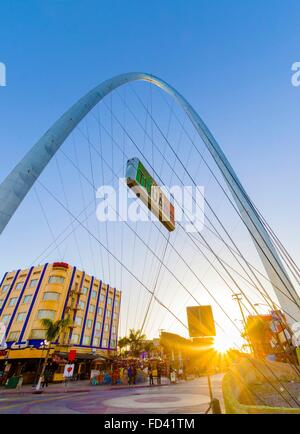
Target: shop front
<point>28,362</point>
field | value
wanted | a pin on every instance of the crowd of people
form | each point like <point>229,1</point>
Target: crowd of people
<point>136,371</point>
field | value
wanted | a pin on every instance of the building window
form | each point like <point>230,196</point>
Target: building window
<point>1,303</point>
<point>38,334</point>
<point>75,339</point>
<point>109,300</point>
<point>89,323</point>
<point>92,308</point>
<point>12,301</point>
<point>113,343</point>
<point>98,325</point>
<point>84,290</point>
<point>6,318</point>
<point>81,304</point>
<point>106,328</point>
<point>19,286</point>
<point>86,340</point>
<point>100,311</point>
<point>116,303</point>
<point>13,336</point>
<point>5,288</point>
<point>108,312</point>
<point>21,316</point>
<point>94,294</point>
<point>104,343</point>
<point>115,316</point>
<point>33,283</point>
<point>96,342</point>
<point>56,279</point>
<point>49,314</point>
<point>27,299</point>
<point>51,296</point>
<point>102,297</point>
<point>78,320</point>
<point>114,329</point>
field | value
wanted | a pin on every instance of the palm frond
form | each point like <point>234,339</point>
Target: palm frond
<point>54,328</point>
<point>46,322</point>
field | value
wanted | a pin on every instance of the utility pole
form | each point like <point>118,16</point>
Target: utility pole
<point>238,299</point>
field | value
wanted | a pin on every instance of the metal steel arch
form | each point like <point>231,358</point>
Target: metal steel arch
<point>17,184</point>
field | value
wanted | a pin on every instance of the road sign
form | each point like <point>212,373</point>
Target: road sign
<point>69,371</point>
<point>200,321</point>
<point>144,186</point>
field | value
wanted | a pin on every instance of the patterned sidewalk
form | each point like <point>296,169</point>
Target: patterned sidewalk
<point>188,397</point>
<point>76,387</point>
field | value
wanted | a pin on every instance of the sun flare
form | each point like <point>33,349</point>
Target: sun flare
<point>222,344</point>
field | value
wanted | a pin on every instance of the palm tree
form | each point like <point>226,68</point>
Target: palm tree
<point>53,330</point>
<point>135,341</point>
<point>149,347</point>
<point>123,342</point>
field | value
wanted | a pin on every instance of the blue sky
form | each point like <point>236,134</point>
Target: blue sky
<point>232,60</point>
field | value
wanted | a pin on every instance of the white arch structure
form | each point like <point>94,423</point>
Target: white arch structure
<point>17,184</point>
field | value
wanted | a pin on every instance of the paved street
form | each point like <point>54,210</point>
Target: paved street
<point>185,397</point>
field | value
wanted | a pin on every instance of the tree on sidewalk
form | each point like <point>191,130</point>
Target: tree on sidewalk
<point>123,343</point>
<point>53,330</point>
<point>136,341</point>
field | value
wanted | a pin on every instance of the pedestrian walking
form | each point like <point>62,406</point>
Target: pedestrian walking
<point>173,375</point>
<point>130,375</point>
<point>134,372</point>
<point>125,376</point>
<point>150,374</point>
<point>180,373</point>
<point>46,378</point>
<point>159,375</point>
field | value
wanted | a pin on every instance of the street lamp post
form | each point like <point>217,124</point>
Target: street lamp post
<point>37,375</point>
<point>238,299</point>
<point>44,345</point>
